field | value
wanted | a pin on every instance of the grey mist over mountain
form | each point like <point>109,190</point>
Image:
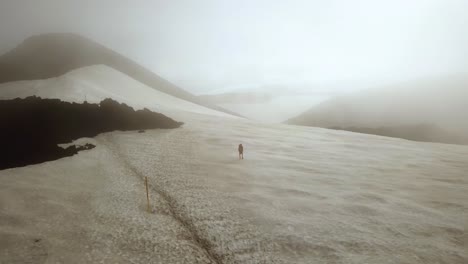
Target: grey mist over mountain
<point>211,46</point>
<point>51,55</point>
<point>269,61</point>
<point>429,110</point>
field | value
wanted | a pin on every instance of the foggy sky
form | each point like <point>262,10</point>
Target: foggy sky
<point>206,45</point>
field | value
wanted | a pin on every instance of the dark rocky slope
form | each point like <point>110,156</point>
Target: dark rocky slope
<point>32,127</point>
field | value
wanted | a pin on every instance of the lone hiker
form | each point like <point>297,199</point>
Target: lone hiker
<point>241,151</point>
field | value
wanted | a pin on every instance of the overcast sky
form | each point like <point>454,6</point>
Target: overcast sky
<point>204,45</point>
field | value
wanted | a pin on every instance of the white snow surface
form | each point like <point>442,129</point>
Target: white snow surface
<point>95,83</point>
<point>301,195</point>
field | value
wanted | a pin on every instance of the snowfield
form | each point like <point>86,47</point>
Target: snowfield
<point>95,83</point>
<point>301,195</point>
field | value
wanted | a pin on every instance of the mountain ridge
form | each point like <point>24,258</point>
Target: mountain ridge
<point>437,103</point>
<point>54,54</point>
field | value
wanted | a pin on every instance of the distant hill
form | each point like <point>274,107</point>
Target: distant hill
<point>51,55</point>
<point>238,98</point>
<point>95,83</point>
<point>265,103</point>
<point>419,132</point>
<point>432,110</point>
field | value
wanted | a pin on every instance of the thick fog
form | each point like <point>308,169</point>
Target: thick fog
<point>217,46</point>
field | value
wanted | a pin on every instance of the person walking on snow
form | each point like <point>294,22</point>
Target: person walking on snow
<point>241,151</point>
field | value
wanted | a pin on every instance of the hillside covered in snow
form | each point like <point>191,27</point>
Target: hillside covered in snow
<point>301,195</point>
<point>52,55</point>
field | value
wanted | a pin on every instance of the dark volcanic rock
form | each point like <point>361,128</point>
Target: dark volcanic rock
<point>32,127</point>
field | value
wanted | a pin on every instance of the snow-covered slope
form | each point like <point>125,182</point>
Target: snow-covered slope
<point>301,195</point>
<point>54,54</point>
<point>309,195</point>
<point>95,83</point>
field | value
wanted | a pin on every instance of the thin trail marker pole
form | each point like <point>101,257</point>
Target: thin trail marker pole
<point>147,195</point>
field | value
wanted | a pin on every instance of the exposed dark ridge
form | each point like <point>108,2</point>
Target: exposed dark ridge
<point>429,109</point>
<point>32,127</point>
<point>421,132</point>
<point>51,55</point>
<point>418,132</point>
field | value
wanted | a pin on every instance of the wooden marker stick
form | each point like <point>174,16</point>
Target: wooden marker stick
<point>147,195</point>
